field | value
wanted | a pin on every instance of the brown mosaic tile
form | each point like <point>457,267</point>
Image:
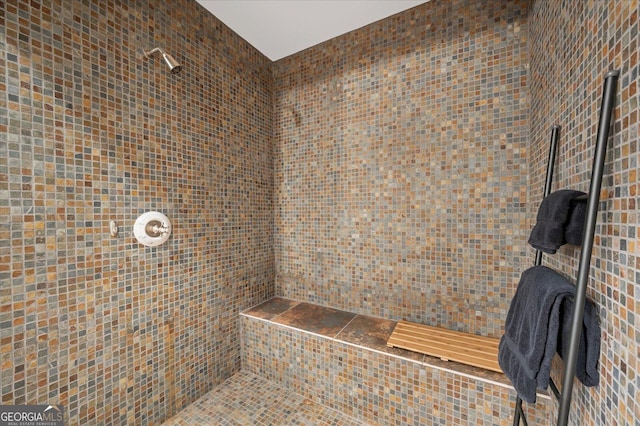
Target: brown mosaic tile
<point>271,308</point>
<point>246,399</point>
<point>572,46</point>
<point>316,319</point>
<point>406,163</point>
<point>376,387</point>
<point>471,371</point>
<point>91,131</point>
<point>401,166</point>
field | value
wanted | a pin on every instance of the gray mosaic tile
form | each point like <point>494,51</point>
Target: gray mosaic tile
<point>376,387</point>
<point>91,131</point>
<point>247,399</point>
<point>572,46</point>
<point>406,161</point>
<point>401,166</point>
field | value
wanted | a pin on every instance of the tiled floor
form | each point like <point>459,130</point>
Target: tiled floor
<point>246,399</point>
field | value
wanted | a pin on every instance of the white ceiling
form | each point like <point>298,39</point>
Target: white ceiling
<point>279,28</point>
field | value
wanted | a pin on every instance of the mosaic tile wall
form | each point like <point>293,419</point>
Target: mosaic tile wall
<point>90,131</point>
<point>401,166</point>
<point>573,44</point>
<point>377,388</point>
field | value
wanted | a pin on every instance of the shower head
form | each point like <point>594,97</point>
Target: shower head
<point>173,65</point>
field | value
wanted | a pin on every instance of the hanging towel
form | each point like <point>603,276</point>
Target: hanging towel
<point>560,220</point>
<point>589,349</point>
<point>575,223</point>
<point>531,330</point>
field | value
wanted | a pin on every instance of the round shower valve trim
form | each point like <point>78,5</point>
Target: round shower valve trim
<point>152,229</point>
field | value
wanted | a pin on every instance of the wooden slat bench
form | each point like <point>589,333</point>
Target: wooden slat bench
<point>447,345</point>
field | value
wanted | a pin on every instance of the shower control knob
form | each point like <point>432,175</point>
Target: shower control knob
<point>152,229</point>
<point>155,228</point>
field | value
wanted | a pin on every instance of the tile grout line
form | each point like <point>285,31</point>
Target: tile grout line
<point>343,328</point>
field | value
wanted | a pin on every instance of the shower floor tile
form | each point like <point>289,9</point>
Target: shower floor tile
<point>246,399</point>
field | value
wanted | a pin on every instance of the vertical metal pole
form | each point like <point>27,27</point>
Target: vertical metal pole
<point>516,412</point>
<point>551,162</point>
<point>606,110</point>
<point>555,131</point>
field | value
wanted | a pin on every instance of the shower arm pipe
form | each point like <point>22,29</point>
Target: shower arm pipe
<point>606,111</point>
<point>149,53</point>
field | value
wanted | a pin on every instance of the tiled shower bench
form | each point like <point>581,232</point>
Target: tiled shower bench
<point>341,360</point>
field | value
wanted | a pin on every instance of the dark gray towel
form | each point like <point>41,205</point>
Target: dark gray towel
<point>589,350</point>
<point>531,330</point>
<point>573,229</point>
<point>560,220</point>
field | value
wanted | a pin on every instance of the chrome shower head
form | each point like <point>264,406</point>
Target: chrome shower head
<point>174,66</point>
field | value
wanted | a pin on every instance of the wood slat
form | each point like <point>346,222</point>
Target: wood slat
<point>453,339</point>
<point>454,335</point>
<point>447,345</point>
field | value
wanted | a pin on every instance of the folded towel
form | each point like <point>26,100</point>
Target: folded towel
<point>560,220</point>
<point>589,349</point>
<point>574,227</point>
<point>531,330</point>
